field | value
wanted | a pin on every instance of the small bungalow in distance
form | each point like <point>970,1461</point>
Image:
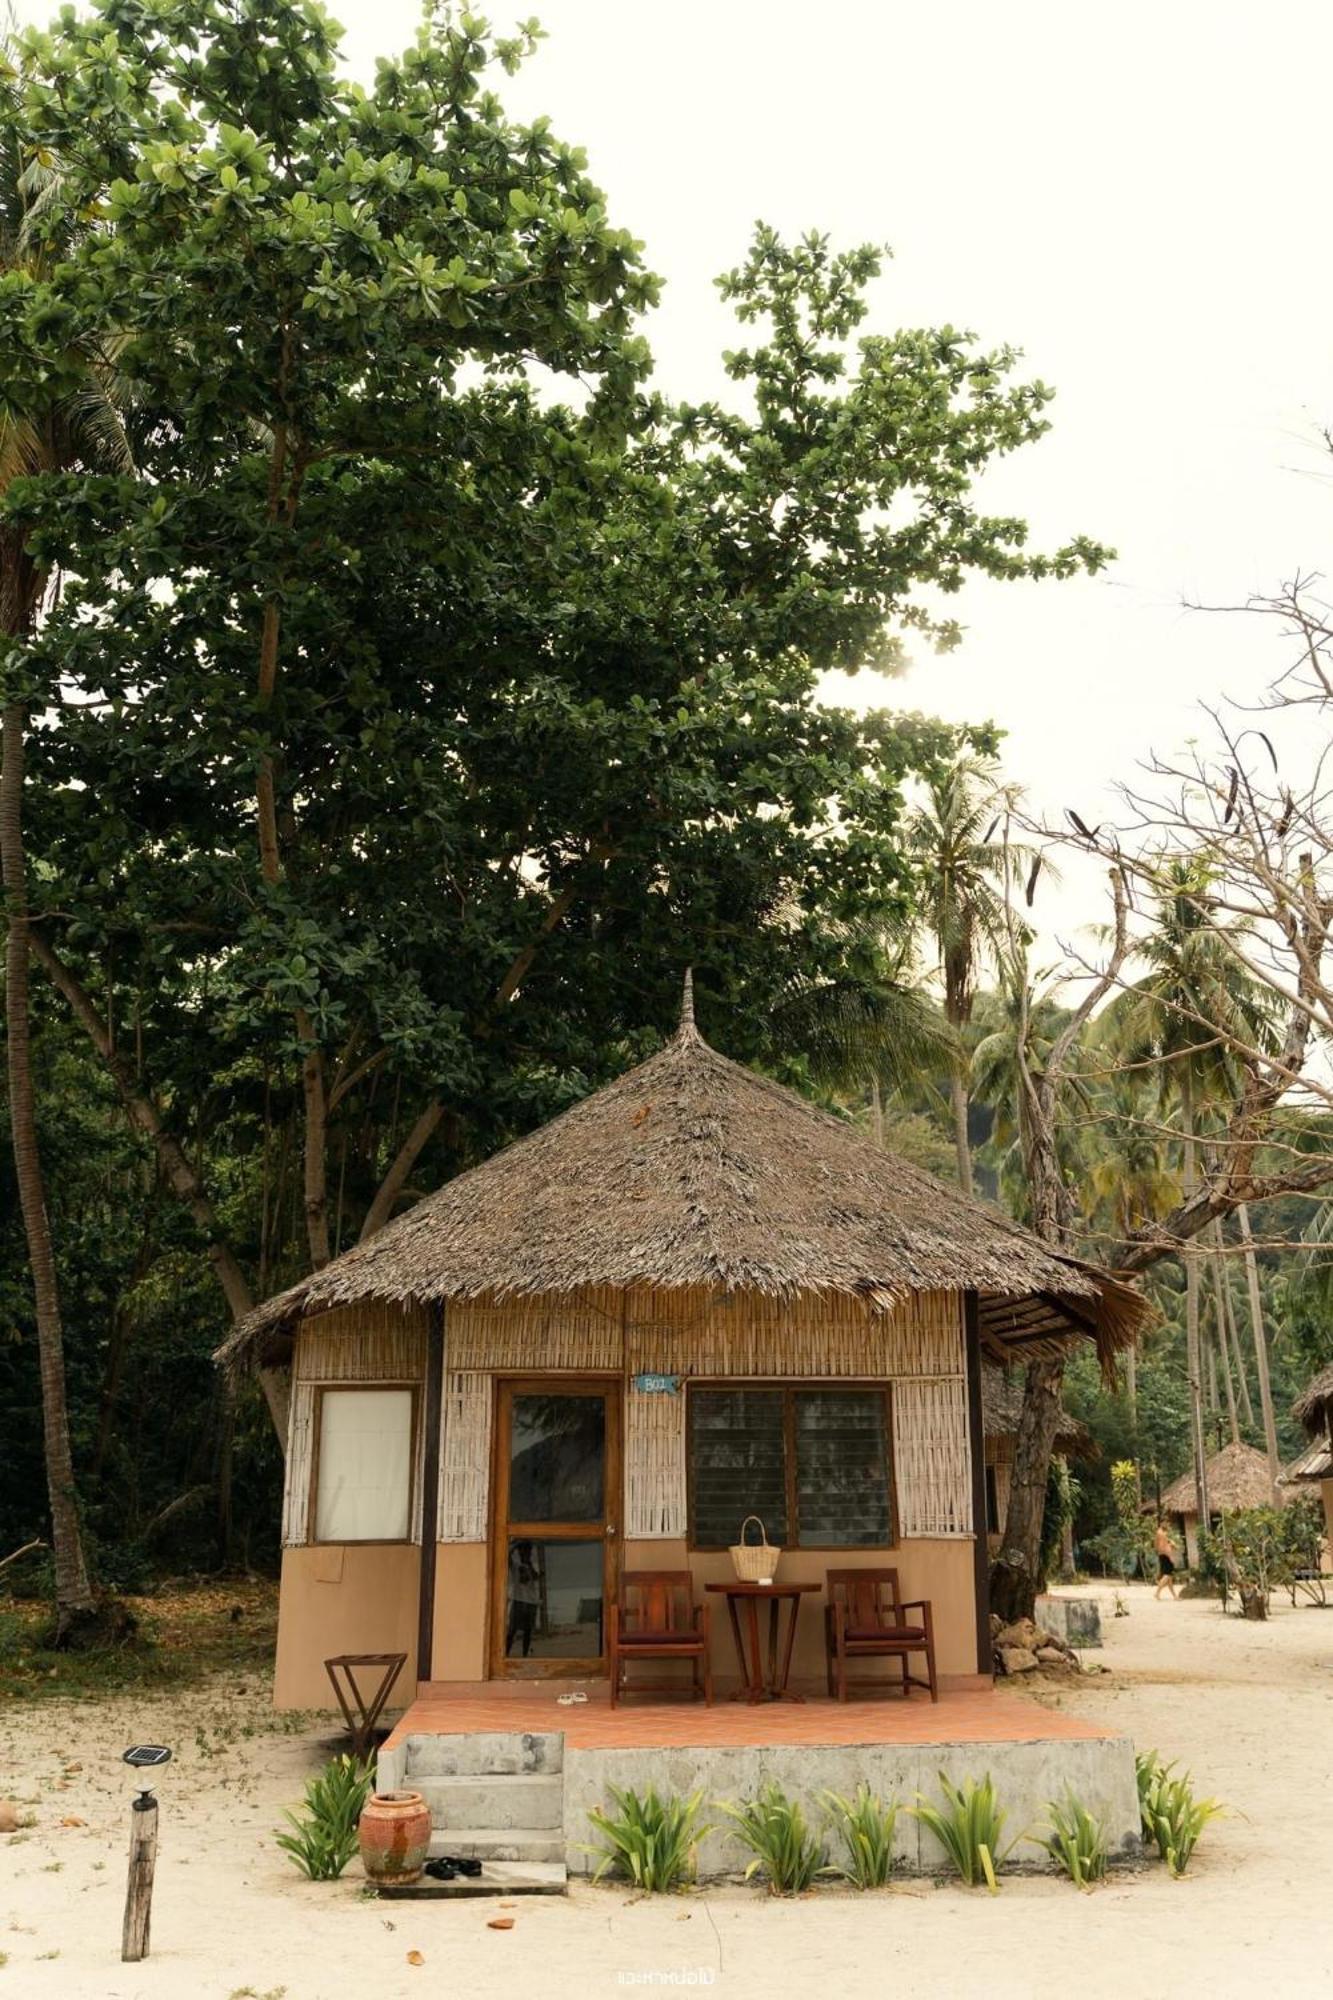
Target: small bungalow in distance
<point>692,1297</point>
<point>1313,1409</point>
<point>1237,1477</point>
<point>1001,1407</point>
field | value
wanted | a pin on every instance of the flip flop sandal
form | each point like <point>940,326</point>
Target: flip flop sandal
<point>464,1864</point>
<point>441,1869</point>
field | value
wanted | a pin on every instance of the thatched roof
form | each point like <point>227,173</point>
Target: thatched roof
<point>1237,1477</point>
<point>692,1170</point>
<point>1002,1406</point>
<point>1314,1406</point>
<point>1315,1463</point>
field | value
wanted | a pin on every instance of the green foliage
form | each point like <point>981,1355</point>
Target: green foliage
<point>651,1839</point>
<point>775,1830</point>
<point>1172,1817</point>
<point>864,1825</point>
<point>323,1839</point>
<point>1077,1841</point>
<point>1126,1547</point>
<point>1257,1550</point>
<point>968,1827</point>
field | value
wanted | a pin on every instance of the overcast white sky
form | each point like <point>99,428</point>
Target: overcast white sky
<point>1137,196</point>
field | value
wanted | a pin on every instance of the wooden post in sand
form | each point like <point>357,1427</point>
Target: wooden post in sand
<point>139,1889</point>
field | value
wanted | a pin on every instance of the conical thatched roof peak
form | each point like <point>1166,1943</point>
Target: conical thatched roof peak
<point>1314,1406</point>
<point>693,1170</point>
<point>1237,1477</point>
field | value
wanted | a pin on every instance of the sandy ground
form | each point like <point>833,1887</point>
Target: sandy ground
<point>1249,1708</point>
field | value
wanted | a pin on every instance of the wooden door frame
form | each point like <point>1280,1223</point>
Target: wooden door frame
<point>611,1388</point>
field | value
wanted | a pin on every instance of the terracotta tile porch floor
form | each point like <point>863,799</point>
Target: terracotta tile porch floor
<point>974,1715</point>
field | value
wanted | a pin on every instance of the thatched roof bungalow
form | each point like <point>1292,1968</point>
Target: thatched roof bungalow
<point>692,1297</point>
<point>1313,1409</point>
<point>1237,1477</point>
<point>1001,1407</point>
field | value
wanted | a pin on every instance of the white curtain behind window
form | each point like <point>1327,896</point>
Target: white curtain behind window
<point>365,1465</point>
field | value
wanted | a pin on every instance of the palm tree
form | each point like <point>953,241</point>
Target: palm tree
<point>81,428</point>
<point>963,872</point>
<point>878,1032</point>
<point>1183,1015</point>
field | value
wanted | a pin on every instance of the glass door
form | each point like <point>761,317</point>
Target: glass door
<point>556,1517</point>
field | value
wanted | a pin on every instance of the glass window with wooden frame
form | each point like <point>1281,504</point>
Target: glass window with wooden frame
<point>813,1463</point>
<point>361,1479</point>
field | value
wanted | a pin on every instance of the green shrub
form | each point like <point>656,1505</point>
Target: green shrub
<point>968,1828</point>
<point>774,1829</point>
<point>651,1841</point>
<point>1172,1817</point>
<point>1148,1767</point>
<point>1077,1841</point>
<point>323,1841</point>
<point>865,1827</point>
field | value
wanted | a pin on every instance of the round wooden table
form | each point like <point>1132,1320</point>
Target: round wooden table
<point>754,1687</point>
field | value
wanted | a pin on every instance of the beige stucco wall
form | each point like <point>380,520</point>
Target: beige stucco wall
<point>361,1598</point>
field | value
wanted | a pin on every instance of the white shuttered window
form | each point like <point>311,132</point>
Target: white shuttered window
<point>363,1482</point>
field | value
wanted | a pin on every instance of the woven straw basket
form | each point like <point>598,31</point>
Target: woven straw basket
<point>753,1561</point>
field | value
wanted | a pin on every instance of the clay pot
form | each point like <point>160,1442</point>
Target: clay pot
<point>394,1833</point>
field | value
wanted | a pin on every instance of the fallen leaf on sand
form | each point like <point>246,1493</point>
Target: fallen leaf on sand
<point>72,1819</point>
<point>416,1958</point>
<point>499,1923</point>
<point>9,1816</point>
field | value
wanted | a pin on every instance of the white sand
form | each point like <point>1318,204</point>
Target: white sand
<point>1248,1707</point>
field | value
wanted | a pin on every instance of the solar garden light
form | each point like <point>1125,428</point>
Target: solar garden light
<point>142,1757</point>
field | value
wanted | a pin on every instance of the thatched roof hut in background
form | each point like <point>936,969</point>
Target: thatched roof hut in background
<point>1313,1409</point>
<point>1002,1406</point>
<point>1237,1477</point>
<point>691,1170</point>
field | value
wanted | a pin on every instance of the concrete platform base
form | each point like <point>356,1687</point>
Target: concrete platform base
<point>497,1878</point>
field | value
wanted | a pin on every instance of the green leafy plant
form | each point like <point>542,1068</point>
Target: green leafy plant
<point>1076,1841</point>
<point>1172,1817</point>
<point>968,1827</point>
<point>323,1839</point>
<point>650,1840</point>
<point>775,1830</point>
<point>864,1825</point>
<point>1148,1767</point>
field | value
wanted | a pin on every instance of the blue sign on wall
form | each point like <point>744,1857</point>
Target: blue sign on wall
<point>657,1385</point>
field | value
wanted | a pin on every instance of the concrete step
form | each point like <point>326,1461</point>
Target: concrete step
<point>492,1801</point>
<point>486,1753</point>
<point>504,1843</point>
<point>497,1878</point>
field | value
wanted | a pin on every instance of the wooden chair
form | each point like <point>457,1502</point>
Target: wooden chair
<point>655,1618</point>
<point>865,1618</point>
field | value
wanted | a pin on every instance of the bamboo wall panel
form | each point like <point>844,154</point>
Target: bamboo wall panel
<point>693,1332</point>
<point>655,1505</point>
<point>465,1455</point>
<point>932,1458</point>
<point>581,1330</point>
<point>363,1343</point>
<point>296,1482</point>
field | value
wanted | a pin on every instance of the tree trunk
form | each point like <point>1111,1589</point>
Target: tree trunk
<point>1220,1320</point>
<point>1015,1579</point>
<point>963,1152</point>
<point>1193,1356</point>
<point>1234,1347</point>
<point>1260,1343</point>
<point>74,1596</point>
<point>175,1166</point>
<point>876,1113</point>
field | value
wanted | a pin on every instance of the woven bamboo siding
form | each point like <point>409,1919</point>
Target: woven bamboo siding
<point>465,1455</point>
<point>296,1485</point>
<point>655,1506</point>
<point>363,1343</point>
<point>581,1330</point>
<point>931,1456</point>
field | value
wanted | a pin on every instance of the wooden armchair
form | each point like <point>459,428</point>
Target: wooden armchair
<point>655,1617</point>
<point>865,1618</point>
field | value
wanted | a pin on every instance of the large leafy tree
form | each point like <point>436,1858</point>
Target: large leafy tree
<point>435,723</point>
